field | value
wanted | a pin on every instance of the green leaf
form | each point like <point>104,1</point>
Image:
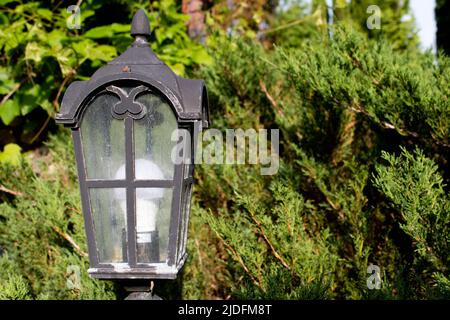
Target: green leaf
<point>99,32</point>
<point>13,36</point>
<point>107,31</point>
<point>3,2</point>
<point>45,13</point>
<point>87,49</point>
<point>47,106</point>
<point>83,48</point>
<point>35,96</point>
<point>27,100</point>
<point>178,68</point>
<point>54,38</point>
<point>104,53</point>
<point>9,110</point>
<point>86,14</point>
<point>11,154</point>
<point>66,61</point>
<point>120,28</point>
<point>6,83</point>
<point>35,52</point>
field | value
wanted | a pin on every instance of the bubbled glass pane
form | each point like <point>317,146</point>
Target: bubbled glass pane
<point>108,207</point>
<point>152,136</point>
<point>153,207</point>
<point>103,139</point>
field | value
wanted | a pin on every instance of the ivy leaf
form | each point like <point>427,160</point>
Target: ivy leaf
<point>47,106</point>
<point>86,14</point>
<point>34,97</point>
<point>9,111</point>
<point>107,31</point>
<point>121,28</point>
<point>104,53</point>
<point>87,49</point>
<point>45,13</point>
<point>13,36</point>
<point>99,32</point>
<point>54,38</point>
<point>35,52</point>
<point>66,61</point>
<point>11,154</point>
<point>6,83</point>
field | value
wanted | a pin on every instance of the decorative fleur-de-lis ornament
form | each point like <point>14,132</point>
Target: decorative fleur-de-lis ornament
<point>128,104</point>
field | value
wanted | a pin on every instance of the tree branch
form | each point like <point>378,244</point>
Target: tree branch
<point>70,240</point>
<point>14,89</point>
<point>270,98</point>
<point>61,87</point>
<point>14,193</point>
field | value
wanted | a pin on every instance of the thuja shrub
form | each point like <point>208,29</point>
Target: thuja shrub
<point>42,230</point>
<point>350,191</point>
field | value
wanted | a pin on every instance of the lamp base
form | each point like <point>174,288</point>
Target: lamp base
<point>143,296</point>
<point>141,291</point>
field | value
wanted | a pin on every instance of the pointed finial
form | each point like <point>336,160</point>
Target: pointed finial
<point>140,25</point>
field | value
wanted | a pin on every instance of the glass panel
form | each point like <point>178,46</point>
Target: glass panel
<point>152,136</point>
<point>186,206</point>
<point>153,208</point>
<point>103,139</point>
<point>187,171</point>
<point>109,207</point>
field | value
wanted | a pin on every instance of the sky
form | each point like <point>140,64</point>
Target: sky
<point>423,11</point>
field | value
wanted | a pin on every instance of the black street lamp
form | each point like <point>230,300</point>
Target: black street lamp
<point>135,198</point>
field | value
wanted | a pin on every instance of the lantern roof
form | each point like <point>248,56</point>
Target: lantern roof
<point>138,63</point>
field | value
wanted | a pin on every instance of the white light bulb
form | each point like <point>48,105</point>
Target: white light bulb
<point>146,198</point>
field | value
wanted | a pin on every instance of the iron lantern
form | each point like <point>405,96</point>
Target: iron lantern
<point>135,199</point>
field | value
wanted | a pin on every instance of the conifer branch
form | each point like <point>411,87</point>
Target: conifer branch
<point>390,126</point>
<point>346,136</point>
<point>256,282</point>
<point>269,243</point>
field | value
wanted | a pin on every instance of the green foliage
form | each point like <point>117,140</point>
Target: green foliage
<point>172,44</point>
<point>38,50</point>
<point>396,25</point>
<point>415,188</point>
<point>42,228</point>
<point>371,82</point>
<point>276,247</point>
<point>40,55</point>
<point>12,285</point>
<point>10,154</point>
<point>364,126</point>
<point>290,27</point>
<point>339,103</point>
<point>297,23</point>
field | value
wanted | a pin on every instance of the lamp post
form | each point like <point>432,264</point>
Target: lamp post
<point>135,198</point>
